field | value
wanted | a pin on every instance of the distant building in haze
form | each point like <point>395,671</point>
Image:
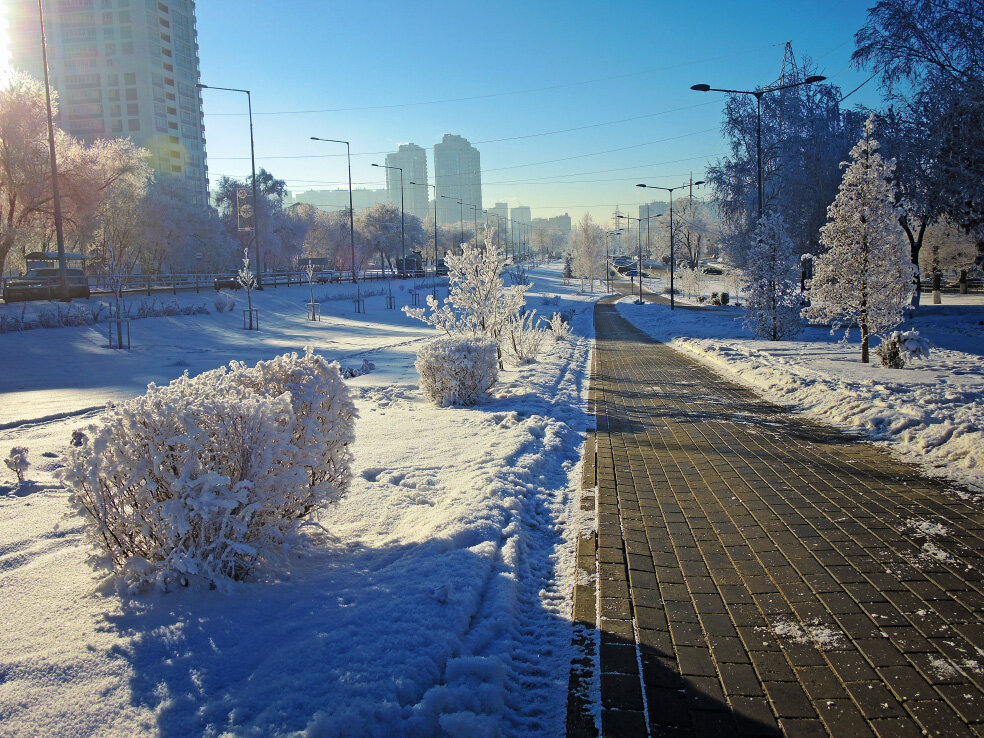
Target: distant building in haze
<point>653,208</point>
<point>413,160</point>
<point>521,214</point>
<point>457,174</point>
<point>558,223</point>
<point>339,199</point>
<point>122,69</point>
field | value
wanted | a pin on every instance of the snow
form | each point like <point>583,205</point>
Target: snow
<point>436,596</point>
<point>810,633</point>
<point>929,413</point>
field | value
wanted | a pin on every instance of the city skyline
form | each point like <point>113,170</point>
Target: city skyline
<point>600,106</point>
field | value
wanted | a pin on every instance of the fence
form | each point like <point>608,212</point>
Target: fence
<point>150,284</point>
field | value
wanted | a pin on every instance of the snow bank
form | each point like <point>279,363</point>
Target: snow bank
<point>436,600</point>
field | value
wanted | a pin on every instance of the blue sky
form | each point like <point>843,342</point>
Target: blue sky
<point>529,68</point>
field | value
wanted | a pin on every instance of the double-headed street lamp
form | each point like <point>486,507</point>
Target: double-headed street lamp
<point>403,224</point>
<point>672,254</point>
<point>758,117</point>
<point>252,162</point>
<point>348,154</point>
<point>424,184</point>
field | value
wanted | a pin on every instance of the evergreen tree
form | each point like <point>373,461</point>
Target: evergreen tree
<point>773,299</point>
<point>864,277</point>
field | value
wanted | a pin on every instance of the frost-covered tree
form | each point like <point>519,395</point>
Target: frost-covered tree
<point>771,291</point>
<point>84,172</point>
<point>588,251</point>
<point>931,51</point>
<point>805,134</point>
<point>864,277</point>
<point>378,230</point>
<point>478,305</point>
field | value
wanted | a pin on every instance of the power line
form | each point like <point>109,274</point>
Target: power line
<point>491,95</point>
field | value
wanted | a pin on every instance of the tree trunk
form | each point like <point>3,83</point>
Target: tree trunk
<point>864,341</point>
<point>915,246</point>
<point>936,287</point>
<point>963,281</point>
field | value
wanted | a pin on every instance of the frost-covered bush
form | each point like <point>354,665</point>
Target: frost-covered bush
<point>478,303</point>
<point>210,476</point>
<point>523,338</point>
<point>561,328</point>
<point>324,424</point>
<point>224,302</point>
<point>901,348</point>
<point>17,462</point>
<point>457,370</point>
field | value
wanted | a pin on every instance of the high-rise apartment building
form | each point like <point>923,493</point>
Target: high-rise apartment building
<point>413,160</point>
<point>457,174</point>
<point>122,68</point>
<point>521,214</point>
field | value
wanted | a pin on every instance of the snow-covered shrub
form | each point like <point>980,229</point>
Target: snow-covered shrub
<point>171,308</point>
<point>49,318</point>
<point>478,304</point>
<point>210,476</point>
<point>367,366</point>
<point>901,348</point>
<point>17,462</point>
<point>10,323</point>
<point>324,419</point>
<point>519,276</point>
<point>550,300</point>
<point>224,302</point>
<point>561,328</point>
<point>523,338</point>
<point>457,370</point>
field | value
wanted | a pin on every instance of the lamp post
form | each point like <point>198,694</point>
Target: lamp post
<point>475,215</point>
<point>758,118</point>
<point>252,162</point>
<point>424,184</point>
<point>53,159</point>
<point>690,184</point>
<point>403,223</point>
<point>348,154</point>
<point>461,215</point>
<point>609,238</point>
<point>639,239</point>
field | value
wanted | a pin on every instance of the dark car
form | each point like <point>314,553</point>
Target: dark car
<point>442,268</point>
<point>227,283</point>
<point>44,284</point>
<point>713,270</point>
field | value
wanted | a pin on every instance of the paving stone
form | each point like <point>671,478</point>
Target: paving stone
<point>710,529</point>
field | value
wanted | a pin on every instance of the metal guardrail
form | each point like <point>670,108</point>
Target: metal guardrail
<point>151,284</point>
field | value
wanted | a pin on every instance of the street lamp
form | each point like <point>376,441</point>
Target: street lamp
<point>461,216</point>
<point>56,199</point>
<point>691,185</point>
<point>424,184</point>
<point>475,215</point>
<point>403,225</point>
<point>609,238</point>
<point>639,220</point>
<point>252,161</point>
<point>758,118</point>
<point>348,154</point>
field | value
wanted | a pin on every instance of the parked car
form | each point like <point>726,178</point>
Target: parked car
<point>227,282</point>
<point>43,284</point>
<point>327,275</point>
<point>713,270</point>
<point>442,268</point>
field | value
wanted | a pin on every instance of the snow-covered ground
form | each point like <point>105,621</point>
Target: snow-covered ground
<point>930,413</point>
<point>437,600</point>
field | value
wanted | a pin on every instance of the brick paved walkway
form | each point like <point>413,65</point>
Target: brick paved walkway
<point>761,575</point>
